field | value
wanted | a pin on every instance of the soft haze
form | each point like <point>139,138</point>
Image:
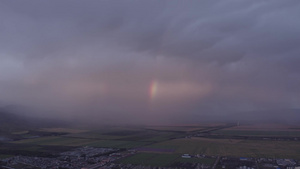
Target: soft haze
<point>149,62</point>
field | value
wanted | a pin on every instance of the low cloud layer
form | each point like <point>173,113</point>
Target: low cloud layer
<point>149,62</point>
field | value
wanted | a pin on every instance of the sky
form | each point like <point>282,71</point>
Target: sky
<point>149,62</point>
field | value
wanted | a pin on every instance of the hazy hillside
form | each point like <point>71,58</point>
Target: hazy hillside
<point>11,120</point>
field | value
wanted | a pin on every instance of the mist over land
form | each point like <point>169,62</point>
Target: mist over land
<point>151,62</point>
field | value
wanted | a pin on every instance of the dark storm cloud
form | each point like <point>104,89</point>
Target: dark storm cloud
<point>149,59</point>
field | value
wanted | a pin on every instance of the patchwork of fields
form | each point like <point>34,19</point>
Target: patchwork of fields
<point>161,146</point>
<point>114,138</point>
<point>228,147</point>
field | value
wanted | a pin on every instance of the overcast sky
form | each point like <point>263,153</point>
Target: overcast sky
<point>149,62</point>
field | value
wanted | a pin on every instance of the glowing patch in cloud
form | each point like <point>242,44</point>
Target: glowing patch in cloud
<point>153,89</point>
<point>177,90</point>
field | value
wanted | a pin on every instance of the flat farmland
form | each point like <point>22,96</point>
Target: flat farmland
<point>177,128</point>
<point>288,133</point>
<point>66,130</point>
<point>54,140</point>
<point>3,156</point>
<point>266,127</point>
<point>231,147</point>
<point>70,141</point>
<point>106,137</point>
<point>168,144</point>
<point>96,135</point>
<point>140,135</point>
<point>116,144</point>
<point>278,130</point>
<point>13,149</point>
<point>186,128</point>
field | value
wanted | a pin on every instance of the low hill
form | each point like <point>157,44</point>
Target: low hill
<point>11,121</point>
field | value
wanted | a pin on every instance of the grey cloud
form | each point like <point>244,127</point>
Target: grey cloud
<point>101,57</point>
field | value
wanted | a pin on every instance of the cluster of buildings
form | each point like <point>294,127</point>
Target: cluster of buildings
<point>258,163</point>
<point>81,158</point>
<point>181,166</point>
<point>238,163</point>
<point>178,165</point>
<point>221,162</point>
<point>278,163</point>
<point>105,158</point>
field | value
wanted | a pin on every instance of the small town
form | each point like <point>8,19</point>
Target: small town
<point>85,157</point>
<point>107,158</point>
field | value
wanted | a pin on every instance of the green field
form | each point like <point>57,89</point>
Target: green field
<point>70,141</point>
<point>95,135</point>
<point>128,135</point>
<point>116,144</point>
<point>177,128</point>
<point>2,156</point>
<point>54,140</point>
<point>106,137</point>
<point>65,130</point>
<point>238,148</point>
<point>124,139</point>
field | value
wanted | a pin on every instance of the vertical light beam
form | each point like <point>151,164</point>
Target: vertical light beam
<point>153,89</point>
